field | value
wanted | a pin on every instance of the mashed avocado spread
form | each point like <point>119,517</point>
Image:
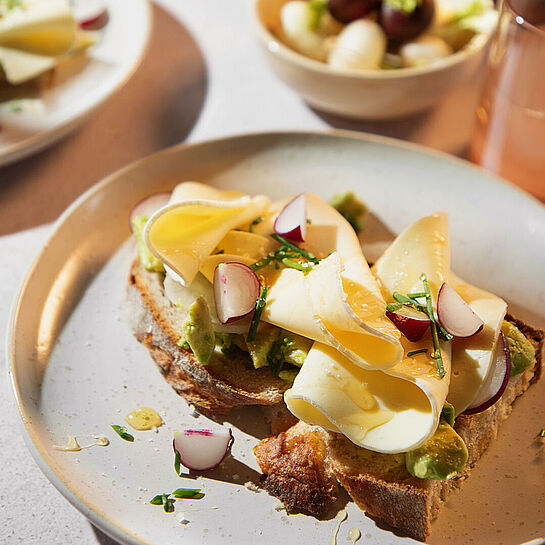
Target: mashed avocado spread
<point>148,260</point>
<point>521,349</point>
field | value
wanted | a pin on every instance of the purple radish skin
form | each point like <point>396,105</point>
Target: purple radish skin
<point>455,315</point>
<point>291,223</point>
<point>412,323</point>
<point>149,205</point>
<point>236,289</point>
<point>201,450</point>
<point>400,26</point>
<point>493,387</point>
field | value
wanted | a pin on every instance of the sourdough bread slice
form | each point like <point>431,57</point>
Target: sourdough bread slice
<point>380,483</point>
<point>214,389</point>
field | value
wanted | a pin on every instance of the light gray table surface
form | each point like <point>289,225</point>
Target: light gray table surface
<point>240,95</point>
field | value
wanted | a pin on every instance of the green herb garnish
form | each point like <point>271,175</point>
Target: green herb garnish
<point>168,504</point>
<point>187,493</point>
<point>122,432</point>
<point>295,248</point>
<point>406,6</point>
<point>177,462</point>
<point>437,351</point>
<point>541,433</point>
<point>259,306</point>
<point>317,9</point>
<point>263,262</point>
<point>393,307</point>
<point>157,500</point>
<point>415,352</point>
<point>254,223</point>
<point>303,267</point>
<point>277,355</point>
<point>219,252</point>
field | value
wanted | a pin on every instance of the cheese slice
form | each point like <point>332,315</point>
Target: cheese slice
<point>373,409</point>
<point>407,396</point>
<point>40,27</point>
<point>421,248</point>
<point>472,357</point>
<point>20,66</point>
<point>184,233</point>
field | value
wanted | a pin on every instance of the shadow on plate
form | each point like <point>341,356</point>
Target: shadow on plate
<point>157,108</point>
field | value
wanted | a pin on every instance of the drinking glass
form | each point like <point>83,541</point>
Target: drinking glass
<point>510,134</point>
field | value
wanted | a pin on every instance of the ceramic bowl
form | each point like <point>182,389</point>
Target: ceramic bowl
<point>365,94</point>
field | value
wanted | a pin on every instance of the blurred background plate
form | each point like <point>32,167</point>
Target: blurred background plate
<point>79,88</point>
<point>76,369</point>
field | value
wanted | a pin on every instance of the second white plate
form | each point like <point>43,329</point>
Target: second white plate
<point>86,84</point>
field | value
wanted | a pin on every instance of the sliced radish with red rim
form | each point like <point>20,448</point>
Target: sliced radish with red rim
<point>203,449</point>
<point>291,223</point>
<point>411,322</point>
<point>90,14</point>
<point>496,381</point>
<point>236,289</point>
<point>455,315</point>
<point>149,205</point>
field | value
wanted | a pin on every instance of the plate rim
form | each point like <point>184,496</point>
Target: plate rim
<point>41,140</point>
<point>104,523</point>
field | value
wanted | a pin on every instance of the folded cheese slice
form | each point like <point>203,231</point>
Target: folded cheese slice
<point>403,402</point>
<point>184,233</point>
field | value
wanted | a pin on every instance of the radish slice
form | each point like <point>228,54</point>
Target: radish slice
<point>91,14</point>
<point>149,205</point>
<point>496,381</point>
<point>202,449</point>
<point>292,220</point>
<point>236,289</point>
<point>455,315</point>
<point>411,322</point>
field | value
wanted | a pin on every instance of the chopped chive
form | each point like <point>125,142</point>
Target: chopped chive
<point>157,500</point>
<point>414,352</point>
<point>437,354</point>
<point>220,252</point>
<point>262,262</point>
<point>417,295</point>
<point>122,432</point>
<point>309,221</point>
<point>168,504</point>
<point>259,306</point>
<point>177,462</point>
<point>295,248</point>
<point>304,267</point>
<point>187,493</point>
<point>541,432</point>
<point>393,307</point>
<point>254,223</point>
<point>402,299</point>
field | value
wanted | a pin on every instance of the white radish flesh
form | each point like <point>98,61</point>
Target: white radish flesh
<point>424,50</point>
<point>203,449</point>
<point>412,323</point>
<point>236,289</point>
<point>455,315</point>
<point>297,30</point>
<point>292,220</point>
<point>496,381</point>
<point>360,46</point>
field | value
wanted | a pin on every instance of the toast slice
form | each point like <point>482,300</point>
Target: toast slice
<point>213,389</point>
<point>380,483</point>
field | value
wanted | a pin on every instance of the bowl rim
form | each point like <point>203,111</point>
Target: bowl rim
<point>277,48</point>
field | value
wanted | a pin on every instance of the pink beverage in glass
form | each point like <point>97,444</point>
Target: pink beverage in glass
<point>510,134</point>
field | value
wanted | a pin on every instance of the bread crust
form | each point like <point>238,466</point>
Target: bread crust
<point>380,483</point>
<point>213,389</point>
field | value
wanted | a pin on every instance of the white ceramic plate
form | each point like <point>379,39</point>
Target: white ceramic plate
<point>76,369</point>
<point>82,86</point>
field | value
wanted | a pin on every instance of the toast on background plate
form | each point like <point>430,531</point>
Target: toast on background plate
<point>396,377</point>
